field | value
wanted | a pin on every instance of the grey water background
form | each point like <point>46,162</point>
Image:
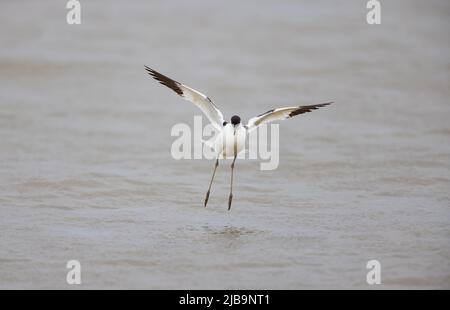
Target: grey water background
<point>86,171</point>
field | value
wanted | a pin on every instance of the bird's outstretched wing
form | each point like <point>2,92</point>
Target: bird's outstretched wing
<point>203,102</point>
<point>280,114</point>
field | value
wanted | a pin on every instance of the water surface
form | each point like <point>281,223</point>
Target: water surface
<point>86,171</point>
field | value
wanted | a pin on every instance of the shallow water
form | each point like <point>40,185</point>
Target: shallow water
<point>86,171</point>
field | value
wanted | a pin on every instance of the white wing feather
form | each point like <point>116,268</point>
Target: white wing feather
<point>281,114</point>
<point>200,100</point>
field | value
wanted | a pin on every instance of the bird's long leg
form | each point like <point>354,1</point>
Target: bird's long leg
<point>210,183</point>
<point>231,185</point>
<point>232,170</point>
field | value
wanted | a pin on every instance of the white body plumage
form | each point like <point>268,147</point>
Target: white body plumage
<point>230,141</point>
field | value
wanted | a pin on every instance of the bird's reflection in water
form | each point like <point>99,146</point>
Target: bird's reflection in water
<point>230,236</point>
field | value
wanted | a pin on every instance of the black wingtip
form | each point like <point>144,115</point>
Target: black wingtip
<point>323,104</point>
<point>308,108</point>
<point>150,70</point>
<point>164,80</point>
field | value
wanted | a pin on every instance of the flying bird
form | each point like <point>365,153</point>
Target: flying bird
<point>231,138</point>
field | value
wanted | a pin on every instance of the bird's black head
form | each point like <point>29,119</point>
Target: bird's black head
<point>235,120</point>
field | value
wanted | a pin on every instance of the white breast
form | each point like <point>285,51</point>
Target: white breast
<point>230,141</point>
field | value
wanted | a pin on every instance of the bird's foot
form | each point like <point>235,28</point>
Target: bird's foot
<point>229,201</point>
<point>207,197</point>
